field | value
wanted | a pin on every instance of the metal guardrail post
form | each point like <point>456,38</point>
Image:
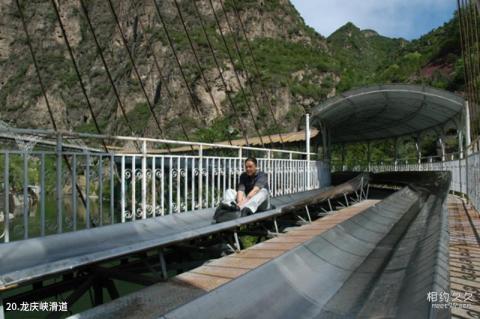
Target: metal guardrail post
<point>144,180</point>
<point>59,182</point>
<point>200,176</point>
<point>6,185</point>
<point>307,141</point>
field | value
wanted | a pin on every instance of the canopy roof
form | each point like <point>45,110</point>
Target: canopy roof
<point>386,111</point>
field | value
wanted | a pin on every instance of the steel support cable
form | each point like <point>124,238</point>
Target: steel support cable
<point>472,64</point>
<point>44,92</point>
<point>470,40</point>
<point>177,60</point>
<point>197,60</point>
<point>257,70</point>
<point>242,62</point>
<point>217,64</point>
<point>159,70</point>
<point>463,40</point>
<point>105,65</point>
<point>198,63</point>
<point>77,71</point>
<point>476,49</point>
<point>35,64</point>
<point>236,73</point>
<point>139,78</point>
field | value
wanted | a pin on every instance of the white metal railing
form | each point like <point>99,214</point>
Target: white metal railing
<point>75,186</point>
<point>465,171</point>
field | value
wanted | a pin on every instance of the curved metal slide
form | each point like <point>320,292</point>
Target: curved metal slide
<point>381,263</point>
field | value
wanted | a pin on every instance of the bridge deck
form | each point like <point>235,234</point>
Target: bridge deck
<point>26,260</point>
<point>464,257</point>
<point>147,303</point>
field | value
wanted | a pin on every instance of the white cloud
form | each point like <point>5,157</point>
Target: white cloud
<point>394,18</point>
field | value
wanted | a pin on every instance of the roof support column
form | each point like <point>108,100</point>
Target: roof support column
<point>368,154</point>
<point>343,156</point>
<point>325,142</point>
<point>442,147</point>
<point>395,145</point>
<point>418,147</point>
<point>307,146</point>
<point>468,139</point>
<point>460,143</point>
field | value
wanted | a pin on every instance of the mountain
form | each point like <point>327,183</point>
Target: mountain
<point>361,54</point>
<point>434,59</point>
<point>291,70</point>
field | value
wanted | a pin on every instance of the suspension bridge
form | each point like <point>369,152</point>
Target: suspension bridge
<point>95,225</point>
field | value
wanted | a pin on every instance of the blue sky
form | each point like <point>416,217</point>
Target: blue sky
<point>408,19</point>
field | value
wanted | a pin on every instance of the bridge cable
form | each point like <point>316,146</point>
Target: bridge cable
<point>157,66</point>
<point>464,45</point>
<point>236,73</point>
<point>476,49</point>
<point>177,60</point>
<point>137,73</point>
<point>242,62</point>
<point>44,92</point>
<point>473,64</point>
<point>198,63</point>
<point>469,63</point>
<point>248,80</point>
<point>217,64</point>
<point>77,71</point>
<point>257,69</point>
<point>102,57</point>
<point>197,60</point>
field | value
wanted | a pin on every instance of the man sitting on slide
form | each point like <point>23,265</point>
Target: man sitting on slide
<point>252,191</point>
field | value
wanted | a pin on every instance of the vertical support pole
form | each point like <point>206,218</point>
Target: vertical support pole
<point>100,189</point>
<point>25,194</point>
<point>42,195</point>
<point>395,163</point>
<point>2,310</point>
<point>346,199</point>
<point>87,189</point>
<point>419,150</point>
<point>122,189</point>
<point>460,144</point>
<point>74,192</point>
<point>468,139</point>
<point>308,214</point>
<point>342,156</point>
<point>237,241</point>
<point>112,190</point>
<point>307,147</point>
<point>442,148</point>
<point>59,182</point>
<point>269,173</point>
<point>144,179</point>
<point>290,169</point>
<point>369,155</point>
<point>200,177</point>
<point>154,188</point>
<point>330,205</point>
<point>276,225</point>
<point>163,264</point>
<point>6,210</point>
